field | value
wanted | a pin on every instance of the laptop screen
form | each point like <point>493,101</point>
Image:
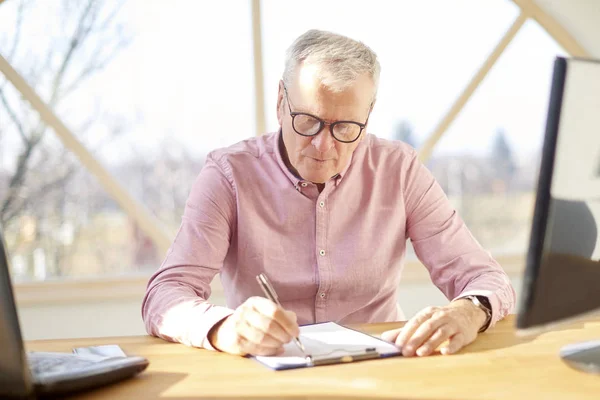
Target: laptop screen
<point>15,378</point>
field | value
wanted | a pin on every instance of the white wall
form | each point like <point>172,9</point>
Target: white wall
<point>123,318</point>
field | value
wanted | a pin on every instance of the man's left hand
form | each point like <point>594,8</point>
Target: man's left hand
<point>457,323</point>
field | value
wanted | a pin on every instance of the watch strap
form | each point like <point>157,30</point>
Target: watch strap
<point>483,304</point>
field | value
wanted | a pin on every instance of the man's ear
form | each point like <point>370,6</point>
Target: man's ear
<point>280,94</point>
<point>370,111</point>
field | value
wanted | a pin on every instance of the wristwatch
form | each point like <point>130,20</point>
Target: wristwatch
<point>483,304</point>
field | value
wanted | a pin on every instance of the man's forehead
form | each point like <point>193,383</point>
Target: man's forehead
<point>308,89</point>
<point>311,77</point>
<point>308,76</point>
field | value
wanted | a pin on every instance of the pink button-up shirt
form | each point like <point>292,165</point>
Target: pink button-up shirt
<point>337,255</point>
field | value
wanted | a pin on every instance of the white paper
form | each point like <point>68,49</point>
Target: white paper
<point>45,364</point>
<point>34,356</point>
<point>105,351</point>
<point>327,340</point>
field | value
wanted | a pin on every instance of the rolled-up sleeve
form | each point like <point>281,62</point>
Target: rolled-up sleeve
<point>457,263</point>
<point>175,305</point>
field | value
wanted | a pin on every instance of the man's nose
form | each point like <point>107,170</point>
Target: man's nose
<point>323,141</point>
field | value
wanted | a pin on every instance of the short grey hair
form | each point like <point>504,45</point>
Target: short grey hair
<point>339,59</point>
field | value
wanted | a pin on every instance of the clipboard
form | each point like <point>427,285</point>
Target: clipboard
<point>327,344</point>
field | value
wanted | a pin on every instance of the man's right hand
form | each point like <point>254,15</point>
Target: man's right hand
<point>257,327</point>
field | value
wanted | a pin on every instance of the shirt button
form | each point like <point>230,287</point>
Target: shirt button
<point>322,295</point>
<point>322,204</point>
<point>304,184</point>
<point>322,252</point>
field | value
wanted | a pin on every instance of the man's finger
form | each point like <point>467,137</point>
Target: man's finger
<point>264,305</point>
<point>292,316</point>
<point>267,325</point>
<point>271,310</point>
<point>439,336</point>
<point>252,341</point>
<point>412,325</point>
<point>455,343</point>
<point>391,336</point>
<point>257,336</point>
<point>257,350</point>
<point>421,335</point>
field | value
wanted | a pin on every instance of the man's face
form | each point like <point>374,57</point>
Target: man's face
<point>318,158</point>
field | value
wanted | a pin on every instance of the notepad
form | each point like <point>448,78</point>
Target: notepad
<point>332,343</point>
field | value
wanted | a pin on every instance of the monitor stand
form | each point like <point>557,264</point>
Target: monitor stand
<point>584,356</point>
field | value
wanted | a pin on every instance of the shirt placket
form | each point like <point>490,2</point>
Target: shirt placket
<point>323,259</point>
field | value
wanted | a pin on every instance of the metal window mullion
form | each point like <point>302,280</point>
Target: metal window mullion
<point>558,32</point>
<point>427,149</point>
<point>259,89</point>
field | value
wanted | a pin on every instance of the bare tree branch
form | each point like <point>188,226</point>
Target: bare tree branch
<point>16,181</point>
<point>17,35</point>
<point>76,40</point>
<point>37,134</point>
<point>13,115</point>
<point>10,56</point>
<point>44,162</point>
<point>41,171</point>
<point>54,184</point>
<point>110,17</point>
<point>95,65</point>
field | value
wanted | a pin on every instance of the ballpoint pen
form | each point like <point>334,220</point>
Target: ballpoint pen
<point>269,291</point>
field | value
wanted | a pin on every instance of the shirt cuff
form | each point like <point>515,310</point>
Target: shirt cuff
<point>208,319</point>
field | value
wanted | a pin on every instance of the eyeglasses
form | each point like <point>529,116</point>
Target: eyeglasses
<point>308,125</point>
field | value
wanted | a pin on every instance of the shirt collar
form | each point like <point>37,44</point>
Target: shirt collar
<point>277,139</point>
<point>293,178</point>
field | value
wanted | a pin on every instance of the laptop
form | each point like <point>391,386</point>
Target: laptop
<point>46,374</point>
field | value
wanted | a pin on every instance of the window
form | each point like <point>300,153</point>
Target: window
<point>426,57</point>
<point>488,160</point>
<point>149,89</point>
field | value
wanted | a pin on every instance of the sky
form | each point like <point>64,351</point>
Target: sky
<point>186,78</point>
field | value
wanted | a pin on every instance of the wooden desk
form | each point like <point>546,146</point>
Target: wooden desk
<point>498,365</point>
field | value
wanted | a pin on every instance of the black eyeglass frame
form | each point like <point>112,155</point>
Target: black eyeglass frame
<point>323,123</point>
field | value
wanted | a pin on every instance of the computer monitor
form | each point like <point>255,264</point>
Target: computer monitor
<point>562,275</point>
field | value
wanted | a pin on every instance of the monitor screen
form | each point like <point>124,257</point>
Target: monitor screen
<point>562,275</point>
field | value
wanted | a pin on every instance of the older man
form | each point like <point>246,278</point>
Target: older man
<point>324,210</point>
